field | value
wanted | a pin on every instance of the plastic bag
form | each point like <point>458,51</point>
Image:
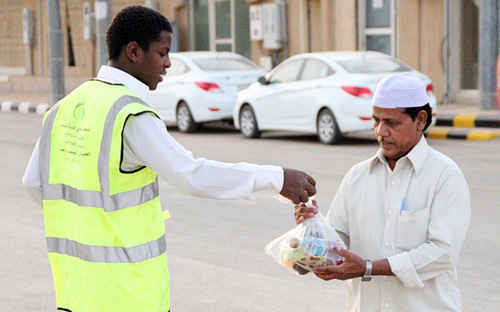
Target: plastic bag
<point>309,244</point>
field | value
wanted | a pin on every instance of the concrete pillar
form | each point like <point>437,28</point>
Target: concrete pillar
<point>56,55</point>
<point>103,15</point>
<point>488,53</point>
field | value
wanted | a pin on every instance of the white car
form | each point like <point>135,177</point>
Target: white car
<point>201,87</point>
<point>325,93</point>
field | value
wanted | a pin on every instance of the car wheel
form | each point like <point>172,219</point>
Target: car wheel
<point>248,123</point>
<point>185,121</point>
<point>328,130</point>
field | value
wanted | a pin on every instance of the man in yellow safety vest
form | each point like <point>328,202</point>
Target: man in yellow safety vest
<point>94,170</point>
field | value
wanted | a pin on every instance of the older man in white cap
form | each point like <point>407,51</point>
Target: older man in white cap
<point>403,213</point>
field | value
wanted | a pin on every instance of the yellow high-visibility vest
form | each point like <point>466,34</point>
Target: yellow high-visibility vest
<point>104,226</point>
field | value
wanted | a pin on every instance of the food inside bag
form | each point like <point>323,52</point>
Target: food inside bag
<point>309,244</point>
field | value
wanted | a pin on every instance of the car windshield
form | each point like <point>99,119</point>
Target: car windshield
<point>373,65</point>
<point>223,64</point>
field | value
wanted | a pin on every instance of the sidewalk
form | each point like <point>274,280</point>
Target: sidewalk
<point>454,121</point>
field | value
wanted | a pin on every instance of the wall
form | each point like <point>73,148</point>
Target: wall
<point>12,50</point>
<point>432,34</point>
<point>420,39</point>
<point>332,25</point>
<point>71,12</point>
<point>345,34</point>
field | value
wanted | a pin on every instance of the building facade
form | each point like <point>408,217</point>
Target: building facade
<point>437,37</point>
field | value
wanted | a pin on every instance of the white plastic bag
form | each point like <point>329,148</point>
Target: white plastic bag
<point>309,244</point>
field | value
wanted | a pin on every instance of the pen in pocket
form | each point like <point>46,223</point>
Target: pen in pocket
<point>403,202</point>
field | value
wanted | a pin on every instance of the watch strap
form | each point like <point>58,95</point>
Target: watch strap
<point>368,272</point>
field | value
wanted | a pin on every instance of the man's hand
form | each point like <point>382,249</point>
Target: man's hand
<point>352,267</point>
<point>300,270</point>
<point>297,186</point>
<point>303,212</point>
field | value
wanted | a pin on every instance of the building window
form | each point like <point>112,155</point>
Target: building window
<point>377,26</point>
<point>221,22</point>
<point>222,25</point>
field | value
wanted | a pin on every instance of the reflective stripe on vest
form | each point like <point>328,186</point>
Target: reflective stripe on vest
<point>102,199</point>
<point>86,198</point>
<point>105,253</point>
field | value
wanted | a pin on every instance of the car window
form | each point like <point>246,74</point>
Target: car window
<point>178,67</point>
<point>314,69</point>
<point>373,65</point>
<point>223,64</point>
<point>287,73</point>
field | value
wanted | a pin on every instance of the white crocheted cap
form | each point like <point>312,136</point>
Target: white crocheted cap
<point>400,90</point>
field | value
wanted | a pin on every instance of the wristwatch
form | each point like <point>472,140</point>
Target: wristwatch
<point>368,273</point>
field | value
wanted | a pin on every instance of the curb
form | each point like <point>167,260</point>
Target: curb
<point>464,134</point>
<point>447,120</point>
<point>24,107</point>
<point>468,121</point>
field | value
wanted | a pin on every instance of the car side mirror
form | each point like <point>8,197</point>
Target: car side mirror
<point>262,80</point>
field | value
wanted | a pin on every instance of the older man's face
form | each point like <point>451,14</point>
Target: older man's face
<point>396,133</point>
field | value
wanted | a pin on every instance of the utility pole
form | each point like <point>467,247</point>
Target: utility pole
<point>192,43</point>
<point>56,59</point>
<point>103,14</point>
<point>488,53</point>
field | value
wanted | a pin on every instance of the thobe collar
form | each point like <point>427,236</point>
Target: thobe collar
<point>416,156</point>
<point>114,75</point>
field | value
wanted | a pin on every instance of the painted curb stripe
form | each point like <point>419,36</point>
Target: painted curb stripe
<point>472,135</point>
<point>457,134</point>
<point>436,133</point>
<point>24,107</point>
<point>488,122</point>
<point>464,121</point>
<point>468,121</point>
<point>444,120</point>
<point>481,135</point>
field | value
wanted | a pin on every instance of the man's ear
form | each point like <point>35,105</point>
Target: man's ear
<point>421,120</point>
<point>133,51</point>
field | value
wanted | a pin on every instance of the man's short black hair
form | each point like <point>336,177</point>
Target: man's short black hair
<point>413,112</point>
<point>135,23</point>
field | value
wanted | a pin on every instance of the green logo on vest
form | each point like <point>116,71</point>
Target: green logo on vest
<point>78,112</point>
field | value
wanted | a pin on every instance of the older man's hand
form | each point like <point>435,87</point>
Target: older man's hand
<point>297,186</point>
<point>352,267</point>
<point>302,211</point>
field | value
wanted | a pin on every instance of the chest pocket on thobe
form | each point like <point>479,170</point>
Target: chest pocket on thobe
<point>412,228</point>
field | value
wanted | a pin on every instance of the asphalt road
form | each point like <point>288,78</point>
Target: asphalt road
<point>216,248</point>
